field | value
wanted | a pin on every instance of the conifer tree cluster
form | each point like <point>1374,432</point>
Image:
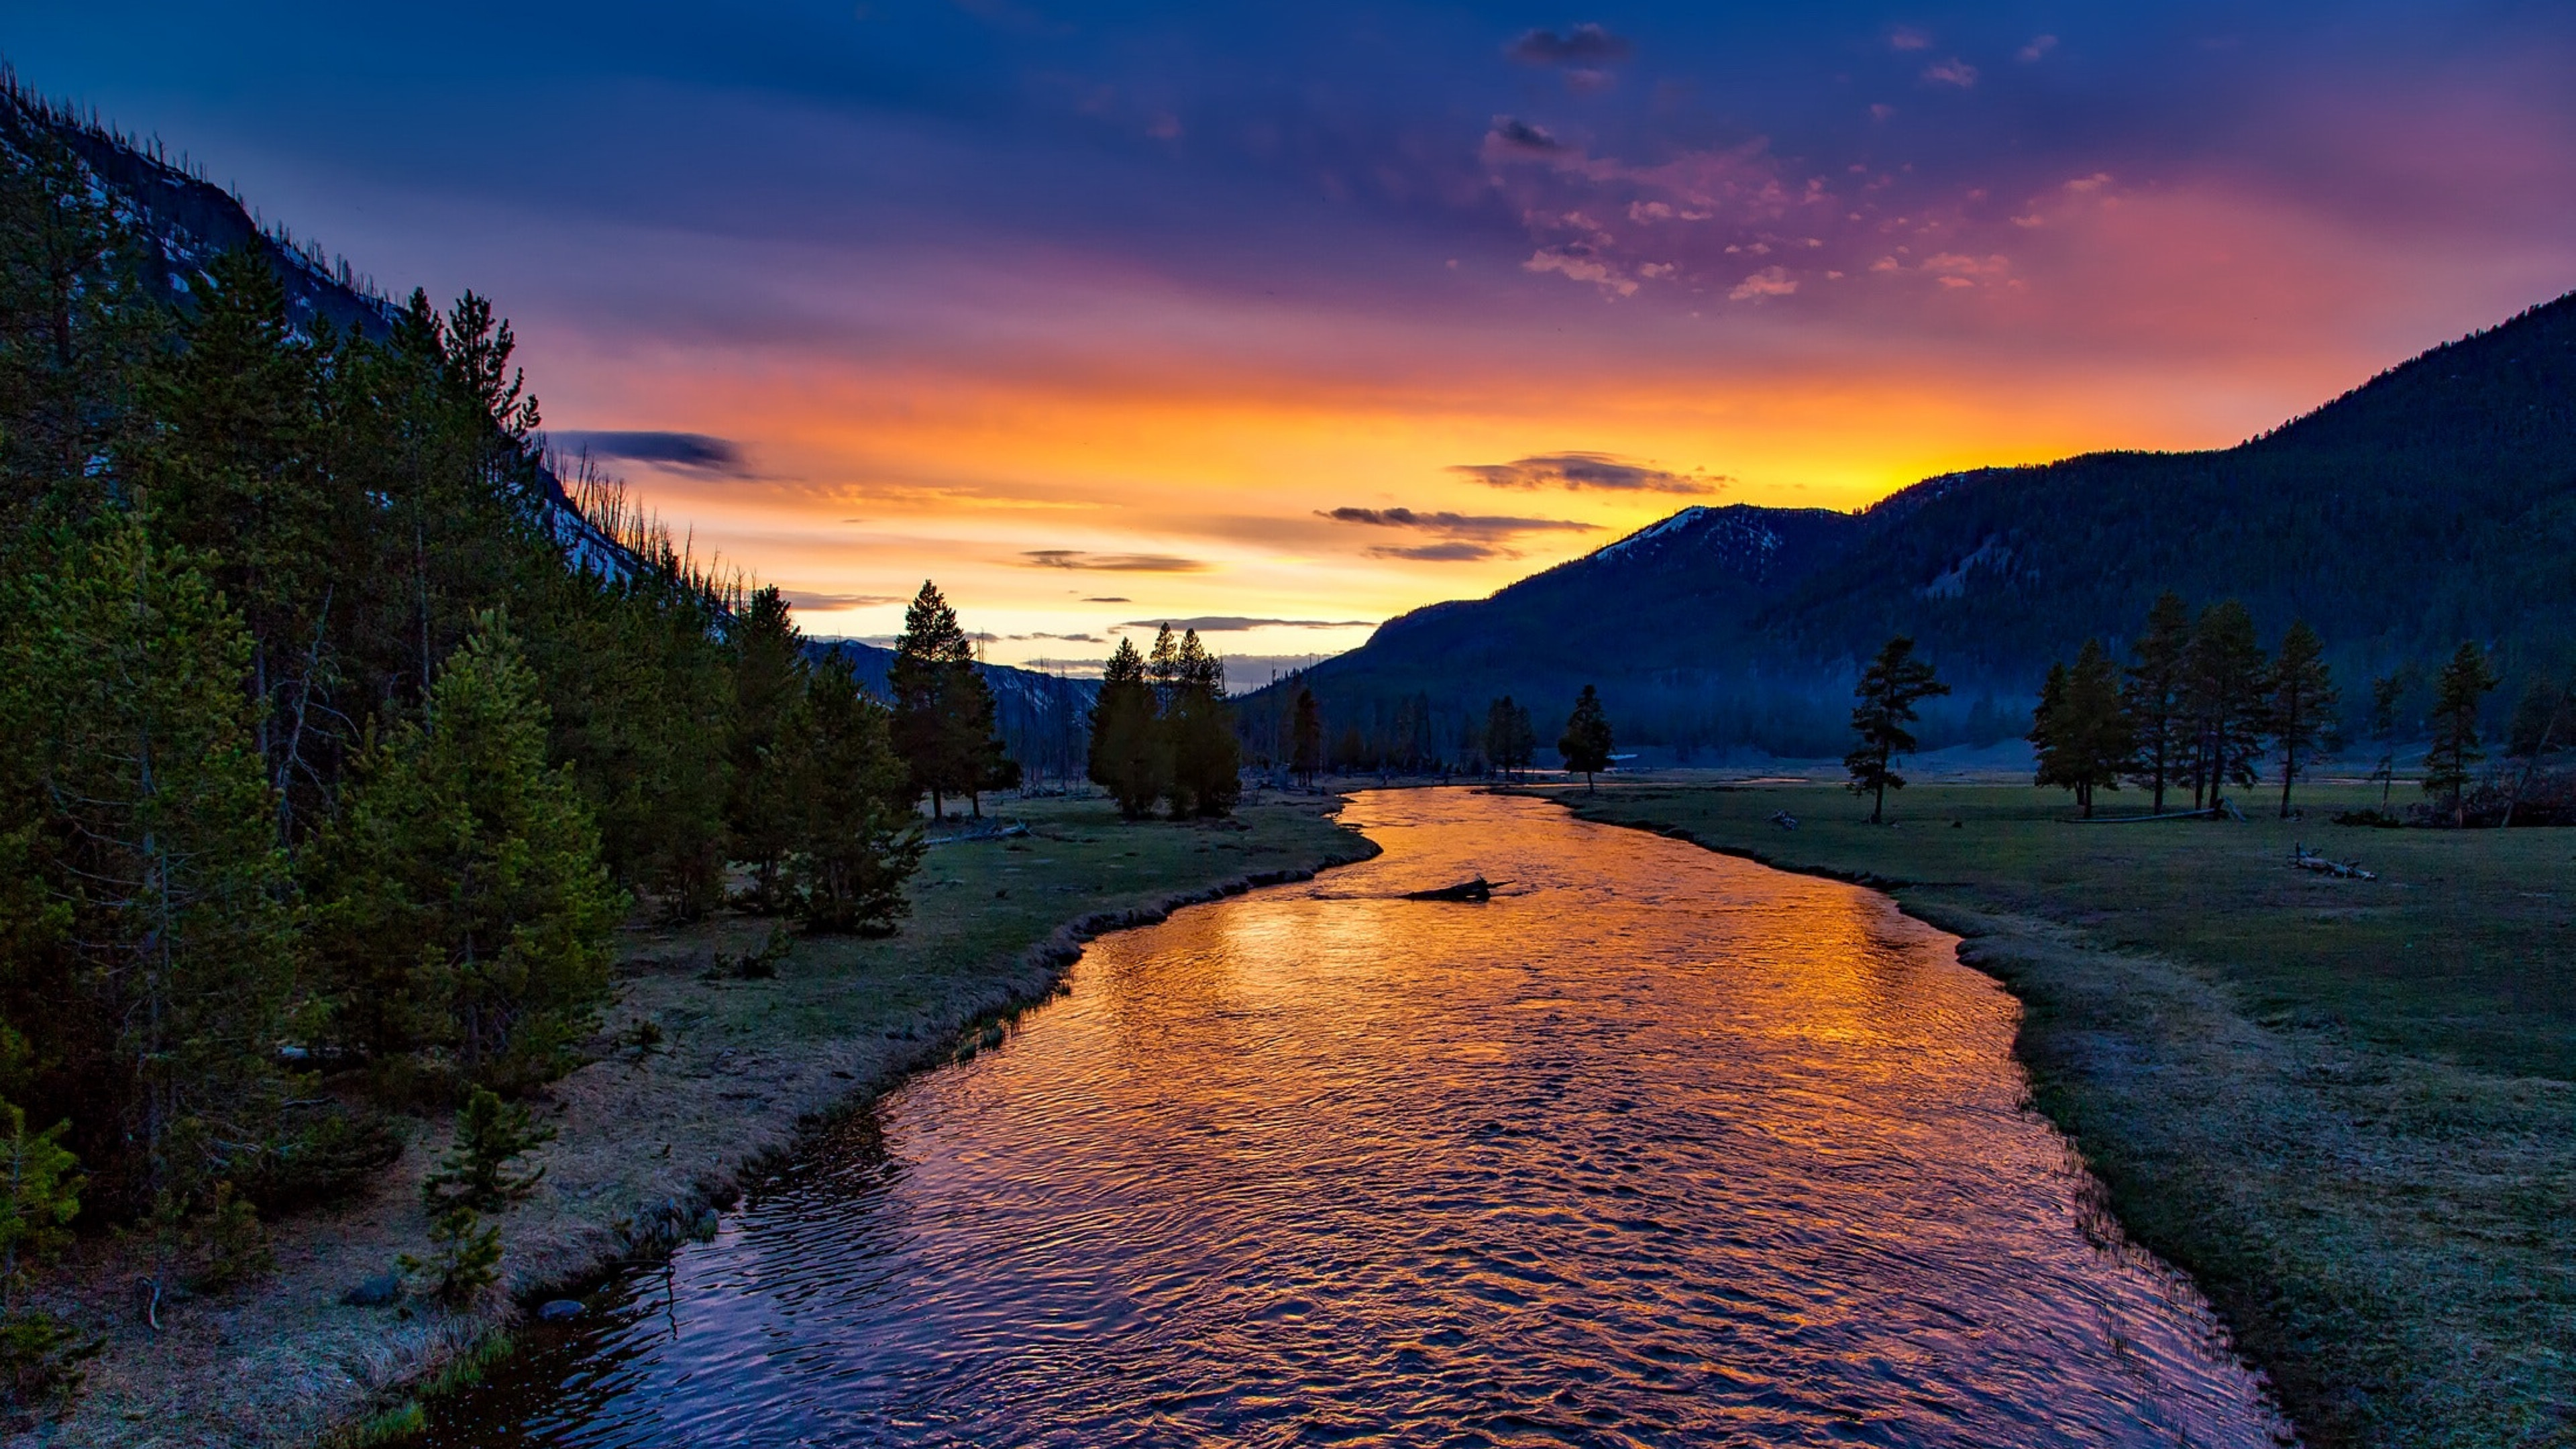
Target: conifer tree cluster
<point>2200,705</point>
<point>324,752</point>
<point>1163,732</point>
<point>943,709</point>
<point>1510,739</point>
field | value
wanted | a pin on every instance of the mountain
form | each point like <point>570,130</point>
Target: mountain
<point>2434,503</point>
<point>187,221</point>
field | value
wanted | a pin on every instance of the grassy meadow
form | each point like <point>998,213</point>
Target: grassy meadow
<point>2344,1106</point>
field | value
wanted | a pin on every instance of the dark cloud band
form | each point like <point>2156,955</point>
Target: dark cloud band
<point>690,452</point>
<point>1576,471</point>
<point>1458,525</point>
<point>1583,45</point>
<point>1115,563</point>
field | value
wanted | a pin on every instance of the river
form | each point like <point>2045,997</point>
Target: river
<point>1655,1147</point>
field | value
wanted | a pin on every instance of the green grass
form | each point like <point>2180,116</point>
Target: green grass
<point>2343,1106</point>
<point>978,904</point>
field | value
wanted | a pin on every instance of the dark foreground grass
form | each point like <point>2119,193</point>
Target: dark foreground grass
<point>2343,1106</point>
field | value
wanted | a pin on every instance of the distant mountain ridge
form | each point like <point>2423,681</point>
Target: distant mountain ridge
<point>2433,503</point>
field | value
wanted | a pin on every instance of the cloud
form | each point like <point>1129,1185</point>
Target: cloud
<point>1232,623</point>
<point>1576,471</point>
<point>1952,72</point>
<point>1575,264</point>
<point>1062,638</point>
<point>802,599</point>
<point>688,452</point>
<point>1584,45</point>
<point>1116,563</point>
<point>2040,46</point>
<point>1907,37</point>
<point>1511,135</point>
<point>1457,525</point>
<point>1109,599</point>
<point>1440,552</point>
<point>1768,282</point>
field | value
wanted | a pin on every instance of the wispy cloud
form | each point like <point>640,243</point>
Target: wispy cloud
<point>1952,72</point>
<point>1577,471</point>
<point>1457,525</point>
<point>1109,599</point>
<point>1115,563</point>
<point>1454,552</point>
<point>1584,45</point>
<point>804,599</point>
<point>1234,623</point>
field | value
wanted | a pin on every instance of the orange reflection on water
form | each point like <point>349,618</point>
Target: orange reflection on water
<point>1656,1146</point>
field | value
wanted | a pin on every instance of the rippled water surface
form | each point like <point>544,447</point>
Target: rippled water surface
<point>1656,1147</point>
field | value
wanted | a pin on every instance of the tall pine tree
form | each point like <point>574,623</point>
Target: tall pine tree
<point>2081,732</point>
<point>2301,710</point>
<point>1889,689</point>
<point>943,709</point>
<point>2459,692</point>
<point>2154,688</point>
<point>462,903</point>
<point>1129,757</point>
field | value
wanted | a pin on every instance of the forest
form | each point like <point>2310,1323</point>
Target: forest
<point>345,737</point>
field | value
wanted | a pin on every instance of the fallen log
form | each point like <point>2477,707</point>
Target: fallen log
<point>1479,889</point>
<point>2302,858</point>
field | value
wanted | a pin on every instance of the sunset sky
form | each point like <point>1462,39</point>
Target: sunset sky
<point>1114,313</point>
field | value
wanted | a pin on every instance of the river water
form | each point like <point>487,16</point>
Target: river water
<point>1656,1147</point>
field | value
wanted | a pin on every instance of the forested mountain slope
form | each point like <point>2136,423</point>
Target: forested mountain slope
<point>2435,503</point>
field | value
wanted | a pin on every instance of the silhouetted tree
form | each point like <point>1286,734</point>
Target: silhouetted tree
<point>1510,739</point>
<point>2386,692</point>
<point>943,709</point>
<point>1889,689</point>
<point>1128,755</point>
<point>1306,739</point>
<point>2301,710</point>
<point>2081,732</point>
<point>1586,741</point>
<point>2224,678</point>
<point>1207,759</point>
<point>2154,694</point>
<point>2458,692</point>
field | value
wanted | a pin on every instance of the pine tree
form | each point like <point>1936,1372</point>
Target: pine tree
<point>1586,741</point>
<point>461,842</point>
<point>2301,711</point>
<point>1207,759</point>
<point>1510,740</point>
<point>2224,678</point>
<point>40,1187</point>
<point>1306,739</point>
<point>943,709</point>
<point>2081,731</point>
<point>1129,757</point>
<point>123,686</point>
<point>2386,692</point>
<point>2154,694</point>
<point>1889,689</point>
<point>769,684</point>
<point>858,842</point>
<point>2458,693</point>
<point>490,1135</point>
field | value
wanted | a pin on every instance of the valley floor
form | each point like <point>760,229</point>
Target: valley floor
<point>2344,1106</point>
<point>652,1138</point>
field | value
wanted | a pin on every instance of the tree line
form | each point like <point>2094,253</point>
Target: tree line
<point>2201,705</point>
<point>331,777</point>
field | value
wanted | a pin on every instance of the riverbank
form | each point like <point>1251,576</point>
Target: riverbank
<point>699,1082</point>
<point>2343,1106</point>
